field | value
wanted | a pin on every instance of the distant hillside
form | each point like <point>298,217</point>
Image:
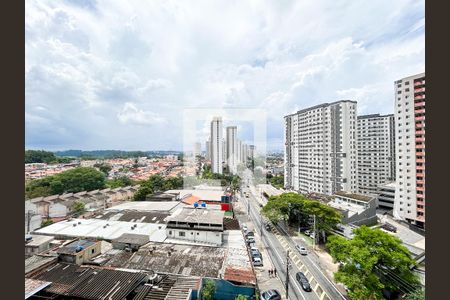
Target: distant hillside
<point>112,153</point>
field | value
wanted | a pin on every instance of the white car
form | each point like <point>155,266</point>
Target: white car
<point>257,262</point>
<point>302,250</point>
<point>244,227</point>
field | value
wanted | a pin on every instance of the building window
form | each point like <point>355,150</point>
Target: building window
<point>181,233</point>
<point>92,251</point>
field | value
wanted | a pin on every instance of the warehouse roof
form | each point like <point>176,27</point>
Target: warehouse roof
<point>32,286</point>
<point>197,215</point>
<point>131,238</point>
<point>108,230</point>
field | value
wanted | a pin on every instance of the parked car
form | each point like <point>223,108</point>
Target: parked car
<point>252,245</point>
<point>250,233</point>
<point>244,227</point>
<point>307,232</point>
<point>389,227</point>
<point>255,253</point>
<point>303,281</point>
<point>301,249</point>
<point>250,240</point>
<point>257,262</point>
<point>268,227</point>
<point>271,295</point>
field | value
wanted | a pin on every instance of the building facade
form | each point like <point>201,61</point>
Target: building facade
<point>232,149</point>
<point>320,149</point>
<point>410,149</point>
<point>375,151</point>
<point>386,195</point>
<point>216,145</point>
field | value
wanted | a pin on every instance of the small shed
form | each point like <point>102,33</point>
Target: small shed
<point>131,241</point>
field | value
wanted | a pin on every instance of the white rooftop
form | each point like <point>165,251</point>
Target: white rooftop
<point>146,206</point>
<point>96,228</point>
<point>350,207</point>
<point>212,195</point>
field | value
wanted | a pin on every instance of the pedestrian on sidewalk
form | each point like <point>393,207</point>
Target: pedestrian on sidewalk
<point>270,272</point>
<point>275,272</point>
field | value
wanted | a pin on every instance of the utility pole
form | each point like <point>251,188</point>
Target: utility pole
<point>287,274</point>
<point>261,225</point>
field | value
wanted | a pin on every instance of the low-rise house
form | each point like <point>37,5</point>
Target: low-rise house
<point>356,209</point>
<point>130,241</point>
<point>196,225</point>
<point>35,244</point>
<point>79,251</point>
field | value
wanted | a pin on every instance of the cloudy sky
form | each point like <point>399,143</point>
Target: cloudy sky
<point>118,74</point>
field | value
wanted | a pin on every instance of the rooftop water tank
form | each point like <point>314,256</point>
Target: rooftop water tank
<point>195,204</point>
<point>203,204</point>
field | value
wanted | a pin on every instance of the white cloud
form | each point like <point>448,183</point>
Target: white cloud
<point>92,62</point>
<point>130,114</point>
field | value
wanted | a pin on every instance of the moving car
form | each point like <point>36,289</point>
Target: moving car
<point>303,281</point>
<point>271,295</point>
<point>301,249</point>
<point>257,262</point>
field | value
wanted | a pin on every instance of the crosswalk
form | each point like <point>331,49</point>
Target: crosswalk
<point>318,290</point>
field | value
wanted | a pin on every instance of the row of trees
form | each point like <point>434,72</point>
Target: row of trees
<point>155,184</point>
<point>277,181</point>
<point>225,179</point>
<point>296,209</point>
<point>41,156</point>
<point>70,181</point>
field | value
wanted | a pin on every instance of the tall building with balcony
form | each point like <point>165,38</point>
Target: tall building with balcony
<point>216,145</point>
<point>320,149</point>
<point>410,101</point>
<point>376,152</point>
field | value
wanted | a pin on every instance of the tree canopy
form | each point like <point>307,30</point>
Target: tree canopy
<point>292,207</point>
<point>121,181</point>
<point>41,156</point>
<point>373,260</point>
<point>277,181</point>
<point>209,289</point>
<point>73,180</point>
<point>157,183</point>
<point>103,167</point>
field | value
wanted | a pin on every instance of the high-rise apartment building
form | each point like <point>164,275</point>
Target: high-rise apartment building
<point>375,152</point>
<point>410,149</point>
<point>208,149</point>
<point>197,149</point>
<point>232,149</point>
<point>320,149</point>
<point>216,145</point>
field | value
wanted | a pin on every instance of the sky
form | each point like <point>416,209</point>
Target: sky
<point>118,74</point>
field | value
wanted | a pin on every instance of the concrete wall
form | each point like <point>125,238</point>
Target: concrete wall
<point>57,210</point>
<point>212,237</point>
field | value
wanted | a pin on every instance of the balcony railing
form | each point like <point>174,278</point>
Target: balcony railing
<point>420,132</point>
<point>420,188</point>
<point>419,110</point>
<point>420,181</point>
<point>420,139</point>
<point>419,90</point>
<point>420,160</point>
<point>422,146</point>
<point>419,97</point>
<point>421,118</point>
<point>419,83</point>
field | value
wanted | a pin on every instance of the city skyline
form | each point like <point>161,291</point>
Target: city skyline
<point>99,75</point>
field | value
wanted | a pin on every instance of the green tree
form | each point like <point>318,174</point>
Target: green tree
<point>121,181</point>
<point>209,289</point>
<point>105,168</point>
<point>46,222</point>
<point>371,261</point>
<point>240,297</point>
<point>39,156</point>
<point>417,294</point>
<point>291,207</point>
<point>78,207</point>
